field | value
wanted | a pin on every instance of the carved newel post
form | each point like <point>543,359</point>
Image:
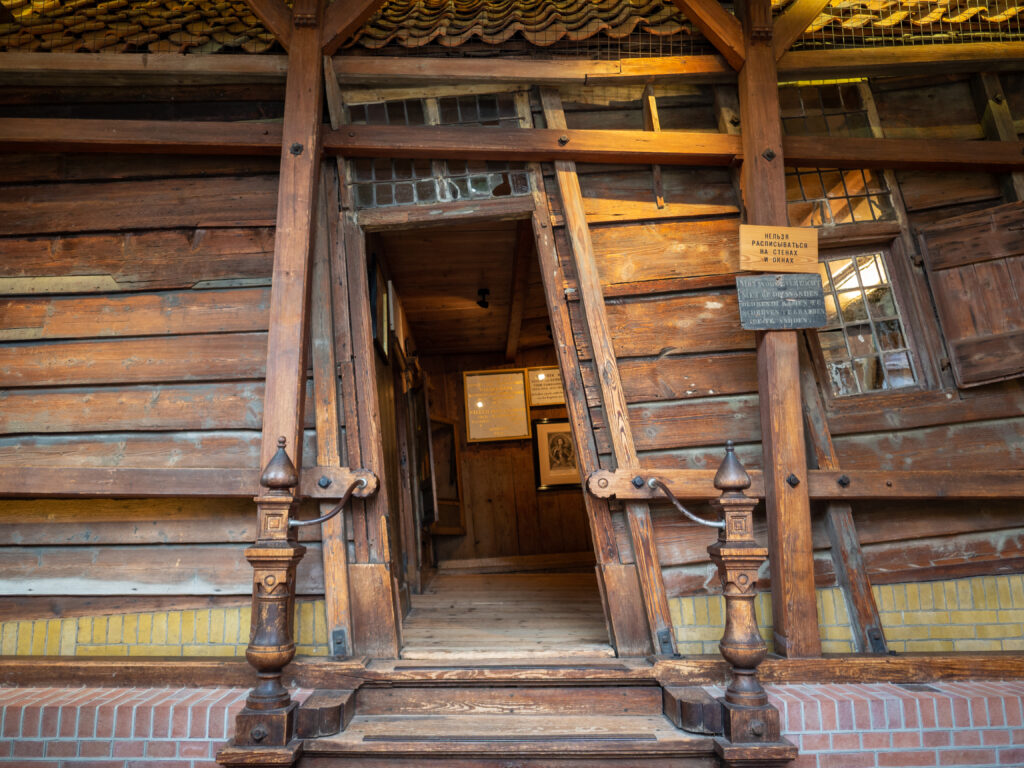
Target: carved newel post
<point>269,715</point>
<point>747,717</point>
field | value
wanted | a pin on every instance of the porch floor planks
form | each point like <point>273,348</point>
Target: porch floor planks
<point>510,616</point>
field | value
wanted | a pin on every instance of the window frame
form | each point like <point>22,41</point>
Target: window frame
<point>908,292</point>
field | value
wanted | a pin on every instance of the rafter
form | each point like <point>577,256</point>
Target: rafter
<point>275,17</point>
<point>719,26</point>
<point>342,18</point>
<point>793,22</point>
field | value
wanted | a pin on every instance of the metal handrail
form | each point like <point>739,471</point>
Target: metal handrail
<point>657,485</point>
<point>359,482</point>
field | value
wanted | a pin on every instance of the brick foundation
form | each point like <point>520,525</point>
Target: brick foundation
<point>835,726</point>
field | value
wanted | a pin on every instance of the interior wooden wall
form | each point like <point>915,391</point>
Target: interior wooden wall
<point>133,333</point>
<point>505,513</point>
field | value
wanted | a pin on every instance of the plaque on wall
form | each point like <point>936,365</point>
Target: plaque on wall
<point>780,302</point>
<point>496,405</point>
<point>545,386</point>
<point>778,249</point>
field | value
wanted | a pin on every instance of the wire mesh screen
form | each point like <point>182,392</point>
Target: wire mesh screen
<point>879,23</point>
<point>822,196</point>
<point>381,182</point>
<point>132,26</point>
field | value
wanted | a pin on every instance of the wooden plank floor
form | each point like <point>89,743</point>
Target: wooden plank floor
<point>508,616</point>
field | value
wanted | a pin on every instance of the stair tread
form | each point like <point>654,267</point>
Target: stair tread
<point>514,733</point>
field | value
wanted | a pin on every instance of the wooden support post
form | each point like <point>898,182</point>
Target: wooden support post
<point>267,721</point>
<point>751,726</point>
<point>521,260</point>
<point>997,123</point>
<point>778,373</point>
<point>847,556</point>
<point>328,432</point>
<point>612,397</point>
<point>718,25</point>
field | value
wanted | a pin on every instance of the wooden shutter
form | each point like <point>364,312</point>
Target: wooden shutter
<point>975,265</point>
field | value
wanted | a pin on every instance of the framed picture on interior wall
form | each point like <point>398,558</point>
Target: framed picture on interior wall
<point>554,455</point>
<point>496,405</point>
<point>545,386</point>
<point>378,306</point>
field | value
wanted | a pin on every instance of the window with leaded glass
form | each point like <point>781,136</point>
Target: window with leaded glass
<point>864,344</point>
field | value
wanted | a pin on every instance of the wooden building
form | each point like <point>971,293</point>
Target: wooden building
<point>460,278</point>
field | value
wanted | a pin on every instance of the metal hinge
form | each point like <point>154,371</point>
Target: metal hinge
<point>339,642</point>
<point>665,644</point>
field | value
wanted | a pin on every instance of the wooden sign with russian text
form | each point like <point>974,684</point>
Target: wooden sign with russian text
<point>778,249</point>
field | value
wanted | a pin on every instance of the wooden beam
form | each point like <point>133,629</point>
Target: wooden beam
<point>137,482</point>
<point>328,431</point>
<point>719,26</point>
<point>902,60</point>
<point>521,260</point>
<point>382,70</point>
<point>289,293</point>
<point>613,399</point>
<point>997,123</point>
<point>846,485</point>
<point>793,22</point>
<point>518,144</point>
<point>343,18</point>
<point>276,17</point>
<point>789,510</point>
<point>847,557</point>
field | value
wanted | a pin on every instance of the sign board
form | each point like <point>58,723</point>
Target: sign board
<point>778,249</point>
<point>496,405</point>
<point>545,387</point>
<point>780,302</point>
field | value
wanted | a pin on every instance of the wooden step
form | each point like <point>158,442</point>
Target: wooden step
<point>508,739</point>
<point>510,699</point>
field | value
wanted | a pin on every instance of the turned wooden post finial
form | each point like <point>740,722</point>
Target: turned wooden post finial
<point>279,475</point>
<point>737,555</point>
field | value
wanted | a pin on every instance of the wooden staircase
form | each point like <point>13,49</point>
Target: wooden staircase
<point>494,715</point>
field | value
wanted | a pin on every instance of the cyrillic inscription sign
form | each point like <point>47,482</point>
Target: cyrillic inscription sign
<point>780,302</point>
<point>778,249</point>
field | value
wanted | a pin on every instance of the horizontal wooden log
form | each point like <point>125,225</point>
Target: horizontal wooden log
<point>960,449</point>
<point>923,190</point>
<point>678,378</point>
<point>216,406</point>
<point>56,607</point>
<point>51,135</point>
<point>147,314</point>
<point>134,361</point>
<point>138,260</point>
<point>692,148</point>
<point>705,421</point>
<point>673,325</point>
<point>637,253</point>
<point>37,166</point>
<point>683,542</point>
<point>133,482</point>
<point>822,484</point>
<point>141,570</point>
<point>221,201</point>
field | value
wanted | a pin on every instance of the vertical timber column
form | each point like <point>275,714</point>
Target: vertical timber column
<point>267,721</point>
<point>778,368</point>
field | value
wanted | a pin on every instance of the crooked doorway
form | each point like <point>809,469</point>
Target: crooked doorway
<point>491,532</point>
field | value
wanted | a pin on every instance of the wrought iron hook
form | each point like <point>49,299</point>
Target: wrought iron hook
<point>359,482</point>
<point>656,484</point>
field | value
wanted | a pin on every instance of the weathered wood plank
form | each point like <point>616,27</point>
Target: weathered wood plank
<point>223,201</point>
<point>139,570</point>
<point>217,406</point>
<point>678,378</point>
<point>147,314</point>
<point>37,167</point>
<point>704,421</point>
<point>134,361</point>
<point>138,260</point>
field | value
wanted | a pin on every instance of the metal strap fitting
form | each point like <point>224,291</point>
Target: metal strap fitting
<point>656,485</point>
<point>359,482</point>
